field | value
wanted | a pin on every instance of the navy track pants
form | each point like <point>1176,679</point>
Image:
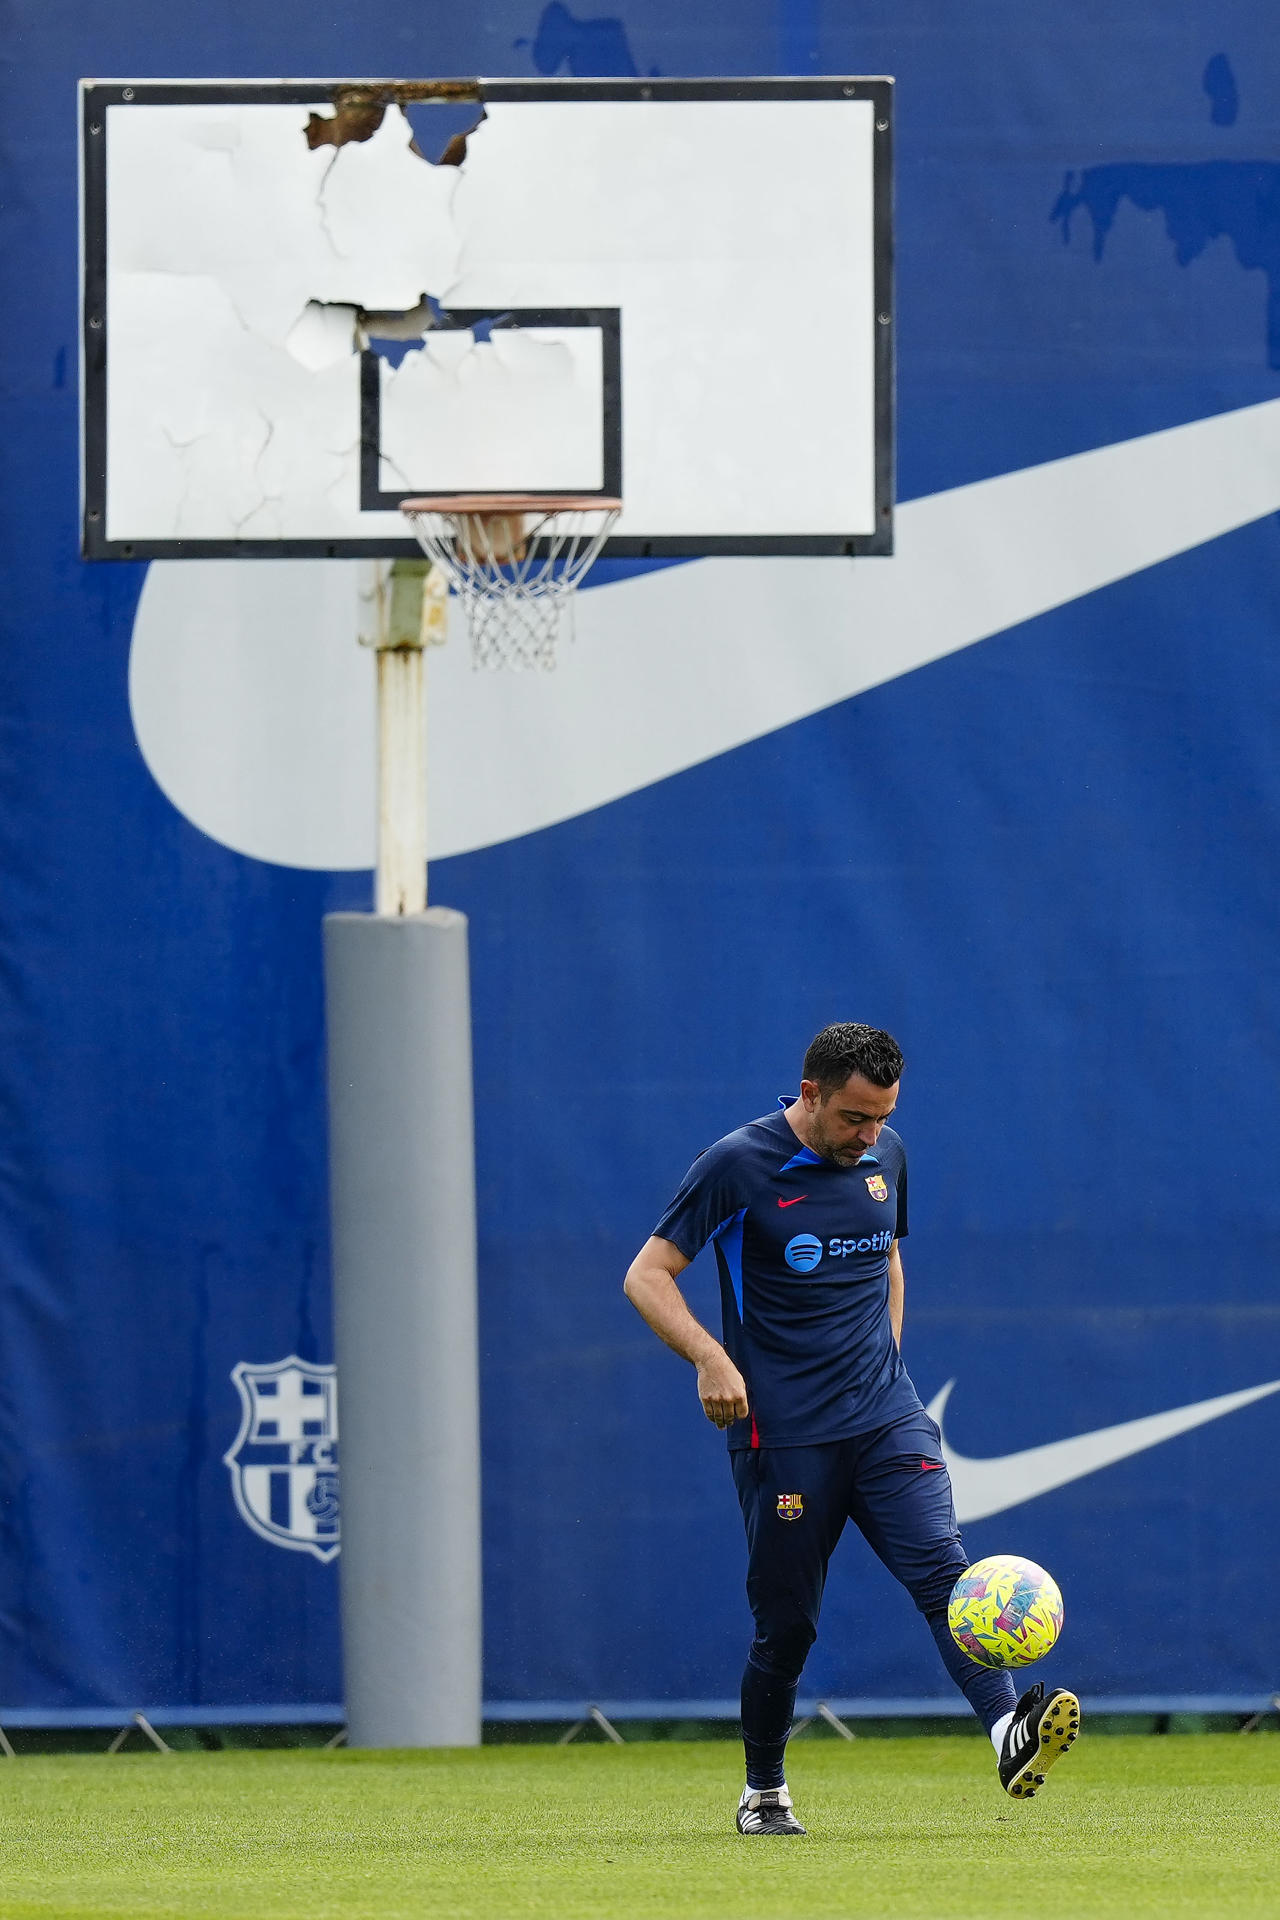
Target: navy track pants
<point>894,1485</point>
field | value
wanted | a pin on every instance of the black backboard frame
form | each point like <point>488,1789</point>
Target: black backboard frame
<point>374,498</point>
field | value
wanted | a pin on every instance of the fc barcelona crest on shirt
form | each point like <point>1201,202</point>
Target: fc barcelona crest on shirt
<point>284,1460</point>
<point>790,1506</point>
<point>876,1186</point>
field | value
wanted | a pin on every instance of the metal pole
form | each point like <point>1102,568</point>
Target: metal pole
<point>403,609</point>
<point>402,1194</point>
<point>400,883</point>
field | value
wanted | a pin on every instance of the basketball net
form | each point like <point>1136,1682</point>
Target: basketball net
<point>514,561</point>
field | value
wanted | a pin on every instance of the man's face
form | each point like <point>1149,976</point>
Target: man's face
<point>845,1123</point>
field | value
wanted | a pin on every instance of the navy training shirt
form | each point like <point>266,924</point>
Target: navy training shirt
<point>803,1251</point>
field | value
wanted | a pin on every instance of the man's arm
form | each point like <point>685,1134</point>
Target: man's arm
<point>651,1288</point>
<point>895,1293</point>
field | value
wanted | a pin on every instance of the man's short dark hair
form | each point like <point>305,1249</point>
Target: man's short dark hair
<point>847,1048</point>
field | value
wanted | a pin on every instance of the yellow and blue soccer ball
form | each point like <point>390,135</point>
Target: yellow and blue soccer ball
<point>1005,1612</point>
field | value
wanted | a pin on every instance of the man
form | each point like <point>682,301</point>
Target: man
<point>806,1209</point>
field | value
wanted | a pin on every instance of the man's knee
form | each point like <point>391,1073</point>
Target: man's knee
<point>782,1651</point>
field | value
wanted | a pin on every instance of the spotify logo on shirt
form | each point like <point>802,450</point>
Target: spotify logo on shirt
<point>804,1252</point>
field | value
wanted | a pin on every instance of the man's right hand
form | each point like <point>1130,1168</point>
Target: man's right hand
<point>651,1288</point>
<point>722,1390</point>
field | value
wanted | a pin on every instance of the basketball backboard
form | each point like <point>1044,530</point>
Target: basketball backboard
<point>296,314</point>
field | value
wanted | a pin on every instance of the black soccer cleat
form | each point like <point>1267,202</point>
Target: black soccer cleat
<point>1039,1733</point>
<point>767,1810</point>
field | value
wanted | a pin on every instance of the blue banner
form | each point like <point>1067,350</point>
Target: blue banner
<point>1018,802</point>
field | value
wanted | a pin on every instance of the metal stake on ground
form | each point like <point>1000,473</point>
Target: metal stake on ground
<point>142,1725</point>
<point>823,1712</point>
<point>592,1717</point>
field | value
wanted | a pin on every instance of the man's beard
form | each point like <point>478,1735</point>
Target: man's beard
<point>836,1156</point>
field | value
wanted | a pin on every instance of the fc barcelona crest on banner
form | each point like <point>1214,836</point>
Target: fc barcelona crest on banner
<point>284,1462</point>
<point>790,1506</point>
<point>876,1186</point>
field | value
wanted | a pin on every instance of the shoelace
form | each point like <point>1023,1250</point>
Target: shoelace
<point>753,1818</point>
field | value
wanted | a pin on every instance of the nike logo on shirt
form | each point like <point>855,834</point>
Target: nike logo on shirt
<point>984,1487</point>
<point>793,1203</point>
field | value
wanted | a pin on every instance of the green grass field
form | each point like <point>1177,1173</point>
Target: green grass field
<point>905,1827</point>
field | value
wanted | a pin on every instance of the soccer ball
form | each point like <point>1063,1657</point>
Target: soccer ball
<point>1005,1612</point>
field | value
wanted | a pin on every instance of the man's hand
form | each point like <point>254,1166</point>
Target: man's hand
<point>722,1390</point>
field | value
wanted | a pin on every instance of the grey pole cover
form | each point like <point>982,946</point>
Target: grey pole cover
<point>402,1188</point>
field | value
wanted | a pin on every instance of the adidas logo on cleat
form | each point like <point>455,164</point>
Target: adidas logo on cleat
<point>1039,1734</point>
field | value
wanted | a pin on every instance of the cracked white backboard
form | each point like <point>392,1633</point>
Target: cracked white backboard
<point>678,291</point>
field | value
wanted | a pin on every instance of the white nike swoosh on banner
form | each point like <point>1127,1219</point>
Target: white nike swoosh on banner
<point>253,706</point>
<point>984,1487</point>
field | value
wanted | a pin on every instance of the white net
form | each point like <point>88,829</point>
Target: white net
<point>514,562</point>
